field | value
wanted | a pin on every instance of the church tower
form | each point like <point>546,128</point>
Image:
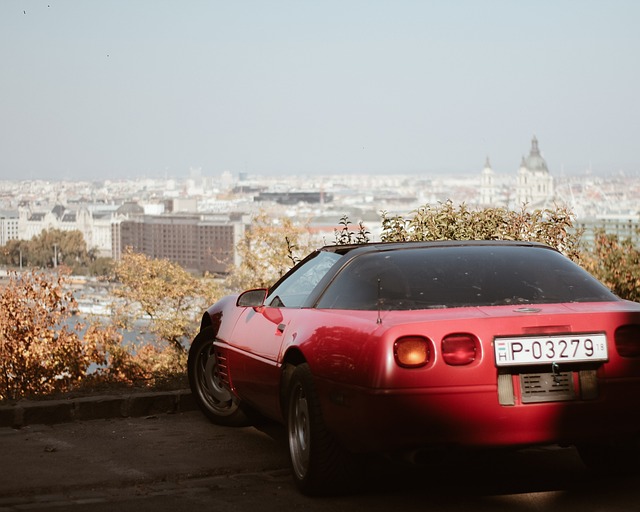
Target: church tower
<point>488,192</point>
<point>534,184</point>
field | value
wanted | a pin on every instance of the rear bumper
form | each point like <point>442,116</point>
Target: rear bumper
<point>391,420</point>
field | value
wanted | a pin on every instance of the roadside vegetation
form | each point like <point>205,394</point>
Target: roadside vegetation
<point>53,248</point>
<point>45,349</point>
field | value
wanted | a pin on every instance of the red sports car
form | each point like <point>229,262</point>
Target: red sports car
<point>404,346</point>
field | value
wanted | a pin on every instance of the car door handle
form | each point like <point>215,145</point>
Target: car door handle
<point>281,327</point>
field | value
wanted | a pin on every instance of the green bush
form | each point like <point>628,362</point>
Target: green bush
<point>445,221</point>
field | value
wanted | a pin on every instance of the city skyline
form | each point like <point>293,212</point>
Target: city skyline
<point>125,89</point>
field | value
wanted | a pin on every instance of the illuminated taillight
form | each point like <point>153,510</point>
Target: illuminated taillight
<point>411,351</point>
<point>628,340</point>
<point>459,349</point>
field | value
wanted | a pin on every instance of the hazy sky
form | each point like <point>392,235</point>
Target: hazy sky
<point>125,88</point>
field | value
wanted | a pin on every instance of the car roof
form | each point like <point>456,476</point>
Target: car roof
<point>392,246</point>
<point>452,273</point>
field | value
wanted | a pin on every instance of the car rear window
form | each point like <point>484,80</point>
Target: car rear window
<point>444,277</point>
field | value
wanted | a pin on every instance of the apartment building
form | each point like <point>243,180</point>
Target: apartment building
<point>8,226</point>
<point>623,226</point>
<point>198,242</point>
<point>93,221</point>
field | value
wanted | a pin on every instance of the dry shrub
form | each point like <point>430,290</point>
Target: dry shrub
<point>44,352</point>
<point>133,364</point>
<point>616,263</point>
<point>39,352</point>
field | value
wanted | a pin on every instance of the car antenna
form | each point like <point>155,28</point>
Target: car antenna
<point>379,320</point>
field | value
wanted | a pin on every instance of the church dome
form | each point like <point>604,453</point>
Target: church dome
<point>534,162</point>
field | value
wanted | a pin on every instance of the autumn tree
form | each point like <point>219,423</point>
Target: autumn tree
<point>615,262</point>
<point>51,248</point>
<point>15,253</point>
<point>101,266</point>
<point>269,248</point>
<point>40,350</point>
<point>162,292</point>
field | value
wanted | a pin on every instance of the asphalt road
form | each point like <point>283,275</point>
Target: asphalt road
<point>174,462</point>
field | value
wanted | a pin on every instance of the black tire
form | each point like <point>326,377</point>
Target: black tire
<point>320,465</point>
<point>215,400</point>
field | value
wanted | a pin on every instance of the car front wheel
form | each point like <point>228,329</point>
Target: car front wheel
<point>319,463</point>
<point>213,397</point>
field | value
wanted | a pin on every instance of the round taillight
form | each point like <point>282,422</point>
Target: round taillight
<point>459,349</point>
<point>627,340</point>
<point>411,351</point>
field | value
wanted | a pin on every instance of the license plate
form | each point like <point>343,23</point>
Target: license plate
<point>569,348</point>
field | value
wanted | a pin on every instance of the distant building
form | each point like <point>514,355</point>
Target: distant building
<point>128,211</point>
<point>93,221</point>
<point>534,185</point>
<point>295,197</point>
<point>623,226</point>
<point>183,205</point>
<point>199,243</point>
<point>8,227</point>
<point>488,190</point>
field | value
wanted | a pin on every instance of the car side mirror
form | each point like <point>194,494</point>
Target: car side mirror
<point>252,298</point>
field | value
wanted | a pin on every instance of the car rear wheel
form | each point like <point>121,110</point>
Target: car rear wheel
<point>213,397</point>
<point>319,463</point>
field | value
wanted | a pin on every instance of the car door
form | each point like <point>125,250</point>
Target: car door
<point>260,333</point>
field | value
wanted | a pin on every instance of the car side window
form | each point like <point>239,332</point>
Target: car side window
<point>368,282</point>
<point>298,285</point>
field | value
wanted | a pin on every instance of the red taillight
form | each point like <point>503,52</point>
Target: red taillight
<point>628,340</point>
<point>411,351</point>
<point>459,349</point>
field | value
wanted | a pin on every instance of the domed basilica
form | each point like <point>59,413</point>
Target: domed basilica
<point>534,185</point>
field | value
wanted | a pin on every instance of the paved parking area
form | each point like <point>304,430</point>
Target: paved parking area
<point>172,462</point>
<point>95,460</point>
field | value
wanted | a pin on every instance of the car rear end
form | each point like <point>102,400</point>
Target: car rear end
<point>496,376</point>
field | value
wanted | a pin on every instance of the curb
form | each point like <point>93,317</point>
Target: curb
<point>96,407</point>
